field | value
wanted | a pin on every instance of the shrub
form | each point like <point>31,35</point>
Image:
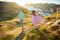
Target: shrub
<point>8,37</point>
<point>35,34</point>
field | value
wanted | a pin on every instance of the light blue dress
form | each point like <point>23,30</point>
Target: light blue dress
<point>21,15</point>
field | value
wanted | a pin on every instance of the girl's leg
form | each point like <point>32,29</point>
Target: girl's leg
<point>35,26</point>
<point>22,25</point>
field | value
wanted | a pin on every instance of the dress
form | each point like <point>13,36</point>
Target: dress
<point>21,17</point>
<point>36,19</point>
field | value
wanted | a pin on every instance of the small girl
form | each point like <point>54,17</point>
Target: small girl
<point>36,18</point>
<point>21,17</point>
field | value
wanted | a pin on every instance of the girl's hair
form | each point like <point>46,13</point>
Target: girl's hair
<point>33,12</point>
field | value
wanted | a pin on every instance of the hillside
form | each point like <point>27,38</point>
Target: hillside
<point>10,29</point>
<point>49,30</point>
<point>9,10</point>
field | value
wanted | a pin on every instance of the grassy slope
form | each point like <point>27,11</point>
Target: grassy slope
<point>9,10</point>
<point>45,31</point>
<point>9,24</point>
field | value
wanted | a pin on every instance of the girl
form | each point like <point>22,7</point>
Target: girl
<point>36,18</point>
<point>21,17</point>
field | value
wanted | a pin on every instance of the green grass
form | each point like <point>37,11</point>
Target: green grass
<point>7,37</point>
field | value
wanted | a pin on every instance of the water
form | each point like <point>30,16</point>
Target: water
<point>44,13</point>
<point>39,10</point>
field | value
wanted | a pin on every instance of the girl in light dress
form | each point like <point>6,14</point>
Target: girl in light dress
<point>36,18</point>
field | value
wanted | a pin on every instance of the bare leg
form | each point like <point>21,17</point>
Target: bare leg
<point>22,25</point>
<point>35,26</point>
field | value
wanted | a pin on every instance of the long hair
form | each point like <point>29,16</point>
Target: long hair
<point>33,12</point>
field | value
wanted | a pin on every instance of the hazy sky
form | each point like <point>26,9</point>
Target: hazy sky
<point>22,2</point>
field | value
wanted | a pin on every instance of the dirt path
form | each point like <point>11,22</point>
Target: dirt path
<point>22,34</point>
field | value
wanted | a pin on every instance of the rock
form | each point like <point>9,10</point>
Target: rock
<point>56,23</point>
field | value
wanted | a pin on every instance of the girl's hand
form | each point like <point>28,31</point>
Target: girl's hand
<point>32,24</point>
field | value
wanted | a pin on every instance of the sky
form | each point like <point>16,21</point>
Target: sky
<point>22,2</point>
